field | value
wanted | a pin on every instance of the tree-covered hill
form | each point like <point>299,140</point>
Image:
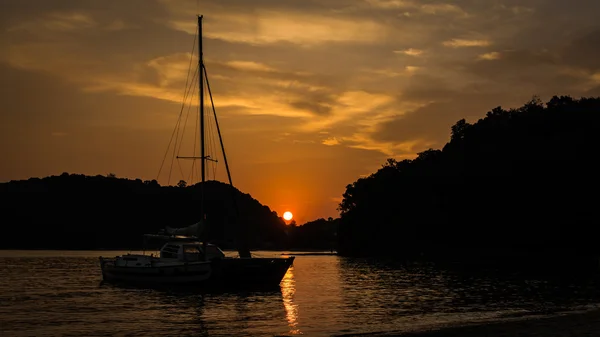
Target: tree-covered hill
<point>518,183</point>
<point>320,234</point>
<point>74,211</point>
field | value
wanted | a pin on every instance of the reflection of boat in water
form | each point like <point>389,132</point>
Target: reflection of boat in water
<point>187,257</point>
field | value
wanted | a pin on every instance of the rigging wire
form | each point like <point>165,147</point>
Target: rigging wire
<point>212,142</point>
<point>175,148</point>
<point>218,129</point>
<point>191,179</point>
<point>185,124</point>
<point>192,89</point>
<point>181,111</point>
<point>208,135</point>
<point>195,143</point>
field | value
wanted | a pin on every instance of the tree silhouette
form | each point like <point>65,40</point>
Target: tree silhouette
<point>74,211</point>
<point>516,184</point>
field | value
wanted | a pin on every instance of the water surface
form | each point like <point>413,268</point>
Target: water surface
<point>49,293</point>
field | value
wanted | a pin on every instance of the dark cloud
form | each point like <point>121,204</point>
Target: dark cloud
<point>31,99</point>
<point>428,87</point>
<point>584,51</point>
<point>27,96</point>
<point>316,108</point>
<point>431,123</point>
<point>511,65</point>
<point>593,92</point>
<point>536,42</point>
<point>16,11</point>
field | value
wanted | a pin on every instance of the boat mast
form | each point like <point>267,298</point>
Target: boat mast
<point>242,245</point>
<point>201,112</point>
<point>242,234</point>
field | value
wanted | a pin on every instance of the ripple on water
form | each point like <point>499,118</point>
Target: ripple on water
<point>48,295</point>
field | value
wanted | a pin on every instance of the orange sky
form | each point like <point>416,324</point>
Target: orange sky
<point>311,94</point>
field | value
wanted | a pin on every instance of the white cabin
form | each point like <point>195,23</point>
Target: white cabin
<point>173,253</point>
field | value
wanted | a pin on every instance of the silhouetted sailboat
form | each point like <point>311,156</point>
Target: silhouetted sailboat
<point>187,257</point>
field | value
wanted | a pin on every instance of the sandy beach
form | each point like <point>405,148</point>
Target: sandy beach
<point>564,325</point>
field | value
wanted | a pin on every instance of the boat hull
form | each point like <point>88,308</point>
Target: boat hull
<point>195,273</point>
<point>237,273</point>
<point>218,274</point>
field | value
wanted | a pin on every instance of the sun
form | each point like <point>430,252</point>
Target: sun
<point>288,216</point>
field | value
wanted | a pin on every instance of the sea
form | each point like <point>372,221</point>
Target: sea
<point>61,293</point>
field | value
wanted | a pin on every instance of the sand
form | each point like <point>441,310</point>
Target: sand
<point>565,325</point>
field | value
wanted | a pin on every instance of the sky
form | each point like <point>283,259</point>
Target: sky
<point>311,95</point>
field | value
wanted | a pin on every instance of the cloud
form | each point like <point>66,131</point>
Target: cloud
<point>165,78</point>
<point>391,4</point>
<point>396,149</point>
<point>52,57</point>
<point>458,43</point>
<point>583,51</point>
<point>518,10</point>
<point>268,27</point>
<point>356,69</point>
<point>172,69</point>
<point>430,8</point>
<point>355,106</point>
<point>406,71</point>
<point>331,141</point>
<point>119,25</point>
<point>442,8</point>
<point>489,56</point>
<point>249,65</point>
<point>317,108</point>
<point>415,128</point>
<point>409,51</point>
<point>527,68</point>
<point>58,21</point>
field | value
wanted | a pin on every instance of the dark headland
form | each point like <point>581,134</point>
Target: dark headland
<point>517,187</point>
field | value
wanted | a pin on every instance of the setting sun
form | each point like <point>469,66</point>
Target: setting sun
<point>288,216</point>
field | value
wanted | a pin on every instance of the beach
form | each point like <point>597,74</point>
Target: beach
<point>570,324</point>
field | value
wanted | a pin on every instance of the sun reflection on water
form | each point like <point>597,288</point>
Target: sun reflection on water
<point>288,289</point>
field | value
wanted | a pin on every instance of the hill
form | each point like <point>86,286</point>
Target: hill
<point>517,184</point>
<point>73,211</point>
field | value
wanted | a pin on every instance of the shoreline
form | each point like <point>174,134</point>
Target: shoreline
<point>578,323</point>
<point>291,251</point>
<point>306,253</point>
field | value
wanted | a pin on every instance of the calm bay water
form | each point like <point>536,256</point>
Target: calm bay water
<point>50,293</point>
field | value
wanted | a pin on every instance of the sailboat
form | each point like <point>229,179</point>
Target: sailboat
<point>186,258</point>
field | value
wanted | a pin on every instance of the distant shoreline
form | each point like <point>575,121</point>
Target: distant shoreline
<point>29,253</point>
<point>300,253</point>
<point>294,251</point>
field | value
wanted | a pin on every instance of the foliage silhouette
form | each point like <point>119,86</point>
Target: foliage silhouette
<point>517,185</point>
<point>317,234</point>
<point>74,211</point>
